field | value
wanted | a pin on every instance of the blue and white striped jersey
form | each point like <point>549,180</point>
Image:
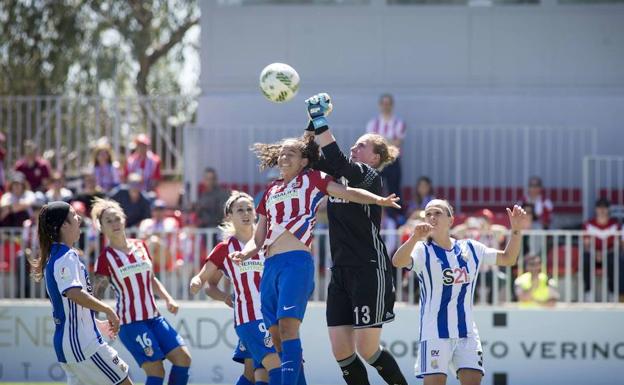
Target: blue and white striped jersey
<point>447,283</point>
<point>76,336</point>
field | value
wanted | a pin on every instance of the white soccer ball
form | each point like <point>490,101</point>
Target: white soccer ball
<point>279,82</point>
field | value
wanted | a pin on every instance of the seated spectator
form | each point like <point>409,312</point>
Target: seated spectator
<point>542,206</point>
<point>56,189</point>
<point>89,190</point>
<point>133,200</point>
<point>602,234</point>
<point>88,242</point>
<point>422,195</point>
<point>145,163</point>
<point>36,169</point>
<point>534,288</point>
<point>211,200</point>
<point>16,203</point>
<point>160,234</point>
<point>105,168</point>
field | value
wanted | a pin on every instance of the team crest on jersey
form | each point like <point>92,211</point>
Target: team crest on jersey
<point>268,342</point>
<point>64,273</point>
<point>148,351</point>
<point>434,364</point>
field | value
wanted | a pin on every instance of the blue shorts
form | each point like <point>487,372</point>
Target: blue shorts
<point>149,340</point>
<point>256,339</point>
<point>241,353</point>
<point>286,285</point>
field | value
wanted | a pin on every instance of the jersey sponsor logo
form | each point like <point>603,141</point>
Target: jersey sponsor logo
<point>281,197</point>
<point>333,199</point>
<point>251,265</point>
<point>455,276</point>
<point>134,268</point>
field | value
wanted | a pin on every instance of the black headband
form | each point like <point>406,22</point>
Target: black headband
<point>56,214</point>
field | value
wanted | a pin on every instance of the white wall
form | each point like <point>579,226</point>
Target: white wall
<point>552,346</point>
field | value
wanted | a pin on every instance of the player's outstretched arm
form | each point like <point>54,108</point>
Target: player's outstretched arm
<point>518,219</point>
<point>200,278</point>
<point>403,256</point>
<point>362,196</point>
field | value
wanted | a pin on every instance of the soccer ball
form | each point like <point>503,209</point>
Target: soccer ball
<point>279,82</point>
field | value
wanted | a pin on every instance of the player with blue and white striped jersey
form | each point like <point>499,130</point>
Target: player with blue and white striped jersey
<point>447,271</point>
<point>78,342</point>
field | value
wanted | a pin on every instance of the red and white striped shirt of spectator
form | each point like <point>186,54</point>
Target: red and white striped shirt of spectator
<point>245,279</point>
<point>131,278</point>
<point>543,208</point>
<point>608,232</point>
<point>148,167</point>
<point>293,206</point>
<point>391,129</point>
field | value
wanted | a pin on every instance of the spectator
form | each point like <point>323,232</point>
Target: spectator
<point>133,200</point>
<point>36,169</point>
<point>89,237</point>
<point>29,250</point>
<point>542,206</point>
<point>211,200</point>
<point>16,203</point>
<point>422,195</point>
<point>56,190</point>
<point>534,288</point>
<point>160,234</point>
<point>105,168</point>
<point>602,234</point>
<point>90,190</point>
<point>393,129</point>
<point>2,155</point>
<point>144,162</point>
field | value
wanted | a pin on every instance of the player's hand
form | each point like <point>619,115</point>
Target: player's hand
<point>229,301</point>
<point>105,328</point>
<point>518,218</point>
<point>113,321</point>
<point>172,306</point>
<point>421,230</point>
<point>319,107</point>
<point>389,201</point>
<point>195,285</point>
<point>238,257</point>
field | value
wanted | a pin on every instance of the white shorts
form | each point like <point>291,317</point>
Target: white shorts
<point>438,356</point>
<point>104,367</point>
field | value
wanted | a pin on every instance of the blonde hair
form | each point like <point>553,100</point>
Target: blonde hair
<point>268,153</point>
<point>227,227</point>
<point>99,206</point>
<point>387,152</point>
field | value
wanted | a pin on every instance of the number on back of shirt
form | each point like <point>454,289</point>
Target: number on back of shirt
<point>362,313</point>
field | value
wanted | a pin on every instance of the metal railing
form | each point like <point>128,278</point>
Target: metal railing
<point>583,273</point>
<point>64,127</point>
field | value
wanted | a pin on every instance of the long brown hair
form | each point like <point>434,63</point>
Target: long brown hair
<point>386,151</point>
<point>47,235</point>
<point>268,153</point>
<point>227,227</point>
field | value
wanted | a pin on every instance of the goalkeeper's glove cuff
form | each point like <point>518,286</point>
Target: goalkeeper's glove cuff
<point>320,125</point>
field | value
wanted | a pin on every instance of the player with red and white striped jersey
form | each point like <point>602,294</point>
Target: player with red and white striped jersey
<point>245,277</point>
<point>127,264</point>
<point>287,214</point>
<point>447,271</point>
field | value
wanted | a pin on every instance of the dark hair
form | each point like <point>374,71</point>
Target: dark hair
<point>47,234</point>
<point>386,95</point>
<point>535,181</point>
<point>268,153</point>
<point>426,179</point>
<point>603,202</point>
<point>210,169</point>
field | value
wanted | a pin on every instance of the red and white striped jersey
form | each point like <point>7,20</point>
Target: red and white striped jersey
<point>390,129</point>
<point>131,277</point>
<point>245,279</point>
<point>293,206</point>
<point>608,232</point>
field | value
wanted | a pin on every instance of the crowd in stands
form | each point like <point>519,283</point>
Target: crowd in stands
<point>168,230</point>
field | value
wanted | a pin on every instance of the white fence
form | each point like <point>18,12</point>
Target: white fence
<point>603,177</point>
<point>64,127</point>
<point>583,272</point>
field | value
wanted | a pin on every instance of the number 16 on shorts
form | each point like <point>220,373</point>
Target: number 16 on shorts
<point>146,344</point>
